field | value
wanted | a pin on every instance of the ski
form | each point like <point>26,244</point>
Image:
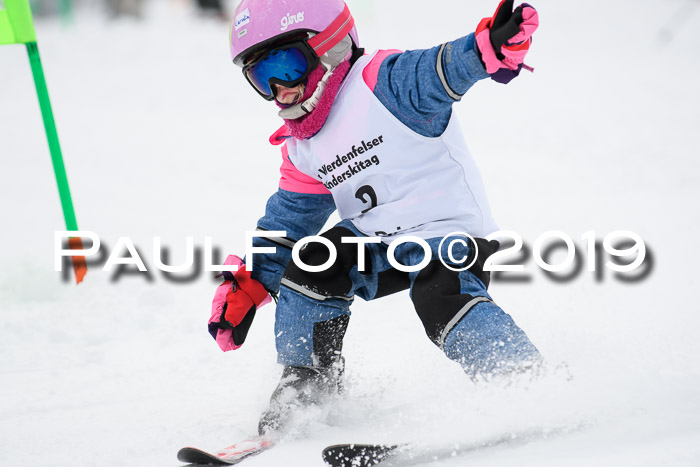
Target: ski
<point>227,456</point>
<point>404,454</point>
<point>360,455</point>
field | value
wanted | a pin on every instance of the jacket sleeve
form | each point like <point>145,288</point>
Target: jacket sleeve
<point>420,86</point>
<point>300,207</point>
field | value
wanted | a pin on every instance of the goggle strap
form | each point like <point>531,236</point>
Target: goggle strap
<point>334,33</point>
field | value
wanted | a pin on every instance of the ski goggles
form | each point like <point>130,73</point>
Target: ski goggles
<point>288,66</point>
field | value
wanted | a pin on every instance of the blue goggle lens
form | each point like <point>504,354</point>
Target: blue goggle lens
<point>283,65</point>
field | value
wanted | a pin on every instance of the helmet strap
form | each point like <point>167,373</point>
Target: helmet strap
<point>304,108</point>
<point>330,60</point>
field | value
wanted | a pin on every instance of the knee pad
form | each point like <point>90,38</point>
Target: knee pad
<point>439,301</point>
<point>335,281</point>
<point>483,250</point>
<point>442,297</point>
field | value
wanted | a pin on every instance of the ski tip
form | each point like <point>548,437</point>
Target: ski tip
<point>194,456</point>
<point>358,455</point>
<point>186,454</point>
<point>227,456</point>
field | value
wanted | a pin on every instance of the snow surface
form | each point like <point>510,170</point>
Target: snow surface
<point>162,137</point>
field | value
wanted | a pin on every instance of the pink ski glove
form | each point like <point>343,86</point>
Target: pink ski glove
<point>234,306</point>
<point>505,39</point>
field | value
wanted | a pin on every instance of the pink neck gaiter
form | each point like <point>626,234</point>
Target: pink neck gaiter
<point>307,126</point>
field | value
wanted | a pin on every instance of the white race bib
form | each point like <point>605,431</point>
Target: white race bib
<point>387,179</point>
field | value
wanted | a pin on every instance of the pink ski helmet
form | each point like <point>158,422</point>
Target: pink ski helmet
<point>260,24</point>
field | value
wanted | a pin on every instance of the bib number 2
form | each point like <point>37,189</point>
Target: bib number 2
<point>369,192</point>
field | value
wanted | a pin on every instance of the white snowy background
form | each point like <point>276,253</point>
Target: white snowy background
<point>162,136</point>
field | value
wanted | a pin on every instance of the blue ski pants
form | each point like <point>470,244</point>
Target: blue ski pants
<point>455,308</point>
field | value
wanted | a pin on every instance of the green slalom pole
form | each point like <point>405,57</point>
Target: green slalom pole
<point>17,26</point>
<point>52,136</point>
<point>59,168</point>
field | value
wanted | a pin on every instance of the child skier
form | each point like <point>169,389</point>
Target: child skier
<point>373,136</point>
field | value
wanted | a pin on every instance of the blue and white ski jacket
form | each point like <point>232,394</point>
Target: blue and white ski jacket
<point>418,87</point>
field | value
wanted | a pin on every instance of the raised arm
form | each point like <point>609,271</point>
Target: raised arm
<point>420,86</point>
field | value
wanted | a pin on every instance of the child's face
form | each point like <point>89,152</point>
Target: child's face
<point>288,96</point>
